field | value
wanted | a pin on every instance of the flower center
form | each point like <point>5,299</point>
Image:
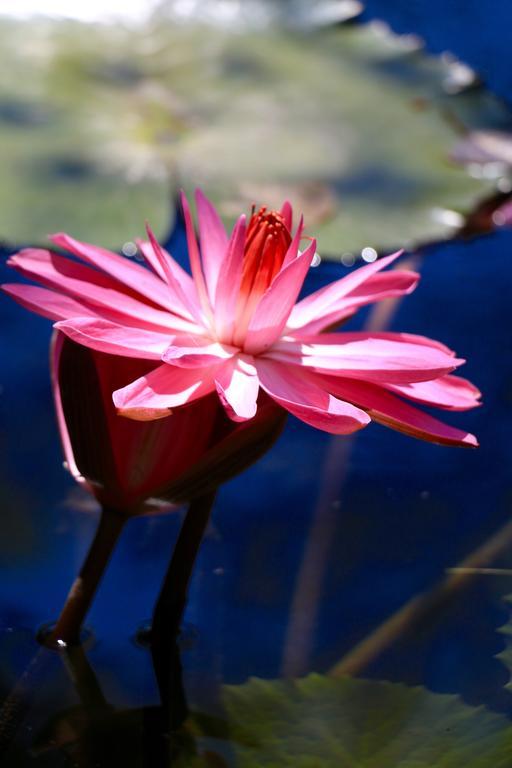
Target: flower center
<point>266,245</point>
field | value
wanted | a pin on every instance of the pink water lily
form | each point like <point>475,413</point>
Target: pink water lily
<point>235,327</point>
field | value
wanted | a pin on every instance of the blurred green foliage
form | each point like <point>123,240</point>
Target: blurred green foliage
<point>505,656</point>
<point>100,124</point>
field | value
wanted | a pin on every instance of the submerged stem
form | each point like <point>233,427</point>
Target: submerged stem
<point>69,624</point>
<point>173,595</point>
<point>171,602</point>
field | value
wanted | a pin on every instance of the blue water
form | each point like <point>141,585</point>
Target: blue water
<point>399,511</point>
<point>407,510</point>
<point>476,32</point>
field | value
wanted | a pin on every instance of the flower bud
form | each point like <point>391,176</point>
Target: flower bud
<point>137,467</point>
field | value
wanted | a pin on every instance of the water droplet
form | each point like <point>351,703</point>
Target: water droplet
<point>129,249</point>
<point>499,219</point>
<point>348,259</point>
<point>369,255</point>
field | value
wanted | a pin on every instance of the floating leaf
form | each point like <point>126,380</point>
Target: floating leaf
<point>54,175</point>
<point>505,656</point>
<point>98,124</point>
<point>345,723</point>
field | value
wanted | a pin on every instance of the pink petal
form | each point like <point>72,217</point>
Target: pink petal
<point>228,284</point>
<point>325,302</point>
<point>373,359</point>
<point>55,306</point>
<point>105,336</point>
<point>152,259</point>
<point>340,337</point>
<point>390,411</point>
<point>293,249</point>
<point>276,303</point>
<point>181,302</point>
<point>93,288</point>
<point>299,394</point>
<point>195,260</point>
<point>237,390</point>
<point>129,273</point>
<point>314,317</point>
<point>451,392</point>
<point>154,395</point>
<point>287,214</point>
<point>184,279</point>
<point>213,241</point>
<point>55,353</point>
<point>196,352</point>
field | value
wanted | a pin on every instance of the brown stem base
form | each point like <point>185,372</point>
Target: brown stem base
<point>69,624</point>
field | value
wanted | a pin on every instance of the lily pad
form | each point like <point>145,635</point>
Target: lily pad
<point>345,723</point>
<point>505,656</point>
<point>55,175</point>
<point>99,124</point>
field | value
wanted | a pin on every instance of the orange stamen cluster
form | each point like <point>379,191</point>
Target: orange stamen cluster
<point>266,245</point>
<point>267,242</point>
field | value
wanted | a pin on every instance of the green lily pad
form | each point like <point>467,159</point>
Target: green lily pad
<point>317,721</point>
<point>505,656</point>
<point>100,124</point>
<point>56,172</point>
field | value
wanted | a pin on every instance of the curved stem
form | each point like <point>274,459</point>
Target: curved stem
<point>171,602</point>
<point>79,599</point>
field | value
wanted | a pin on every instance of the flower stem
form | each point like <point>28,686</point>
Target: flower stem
<point>171,602</point>
<point>84,679</point>
<point>69,624</point>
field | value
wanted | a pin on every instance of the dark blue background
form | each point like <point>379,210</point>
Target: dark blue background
<point>477,32</point>
<point>405,511</point>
